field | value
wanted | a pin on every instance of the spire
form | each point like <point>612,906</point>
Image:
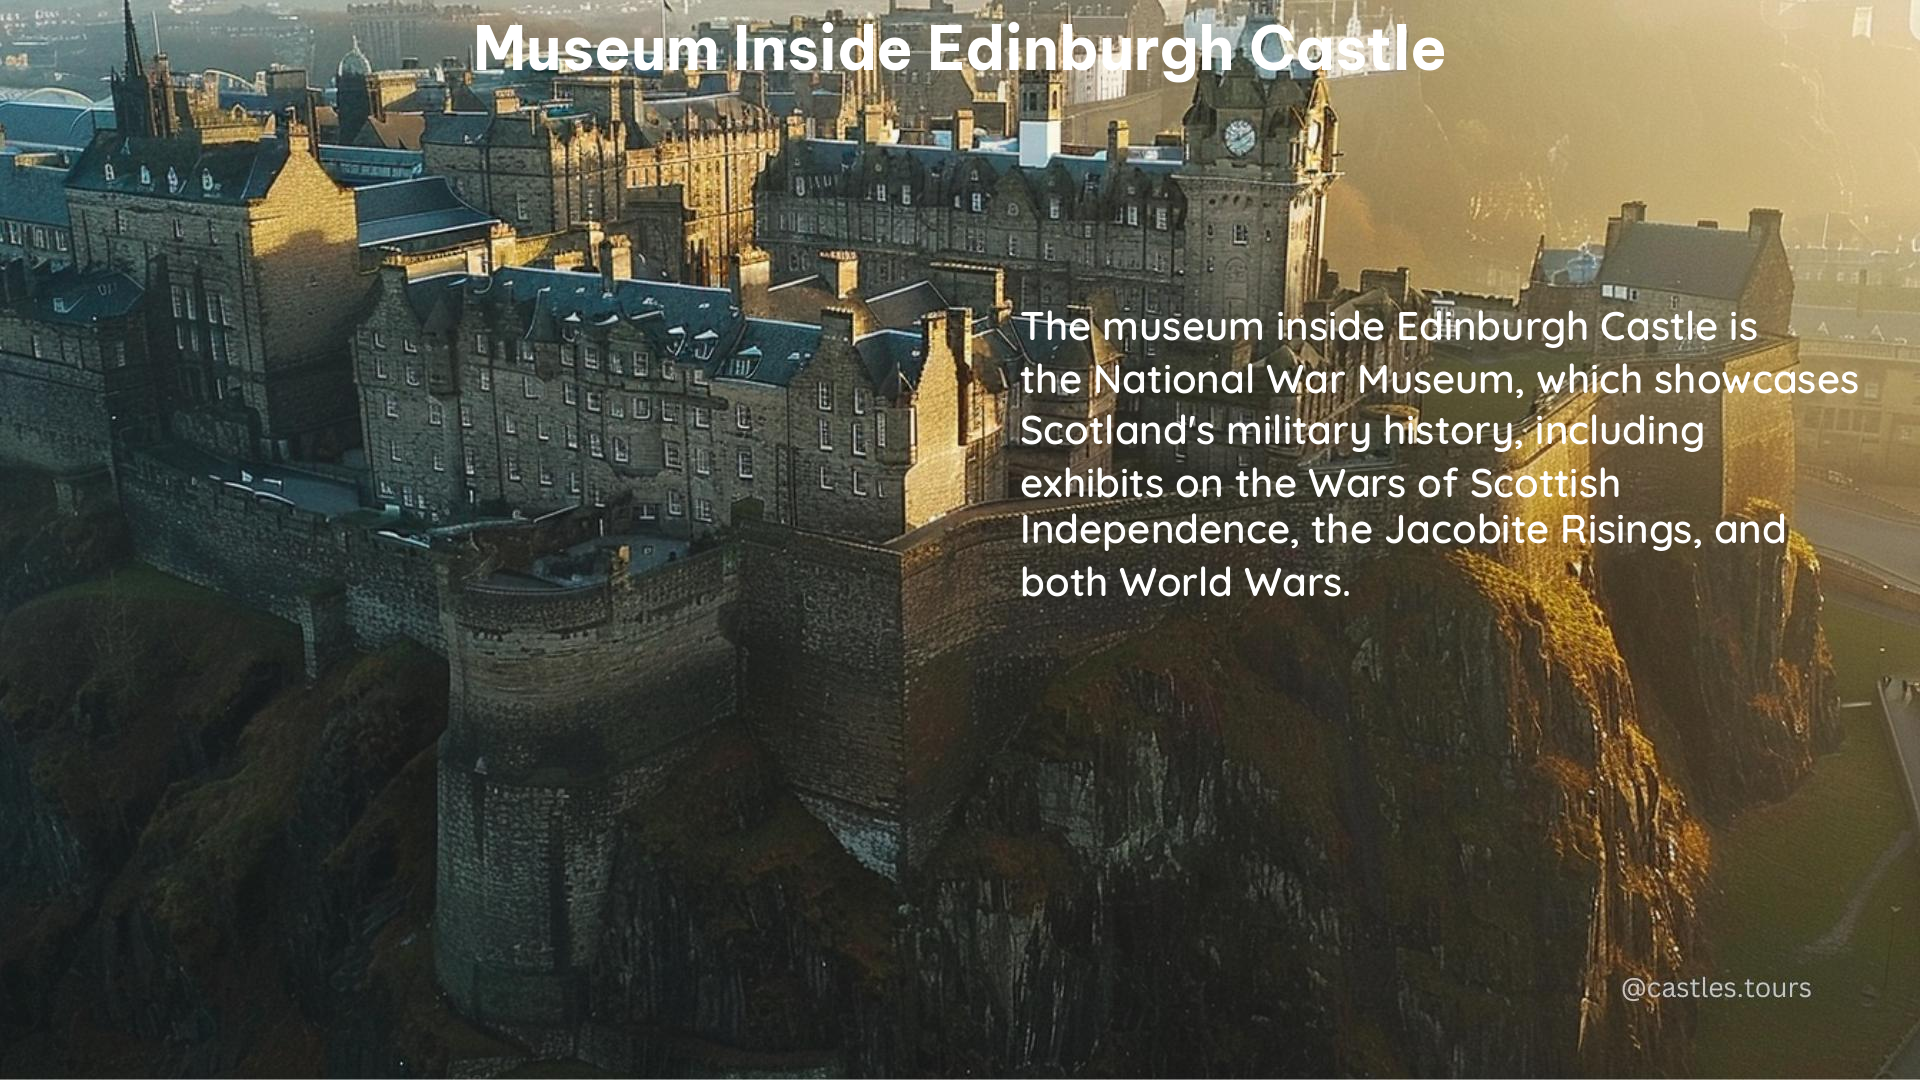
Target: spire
<point>135,68</point>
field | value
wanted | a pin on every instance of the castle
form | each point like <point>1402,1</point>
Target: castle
<point>629,511</point>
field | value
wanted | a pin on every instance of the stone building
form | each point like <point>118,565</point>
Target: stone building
<point>33,207</point>
<point>1227,223</point>
<point>76,380</point>
<point>250,249</point>
<point>692,163</point>
<point>1655,270</point>
<point>663,405</point>
<point>532,168</point>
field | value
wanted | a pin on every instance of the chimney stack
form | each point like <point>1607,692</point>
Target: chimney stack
<point>506,100</point>
<point>840,272</point>
<point>1119,136</point>
<point>1763,224</point>
<point>873,124</point>
<point>963,130</point>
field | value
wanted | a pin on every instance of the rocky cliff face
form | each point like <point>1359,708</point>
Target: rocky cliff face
<point>205,866</point>
<point>1725,647</point>
<point>1428,830</point>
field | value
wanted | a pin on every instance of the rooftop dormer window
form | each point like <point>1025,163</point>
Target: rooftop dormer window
<point>146,176</point>
<point>173,182</point>
<point>109,172</point>
<point>206,181</point>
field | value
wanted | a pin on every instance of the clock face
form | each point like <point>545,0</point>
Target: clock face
<point>1240,137</point>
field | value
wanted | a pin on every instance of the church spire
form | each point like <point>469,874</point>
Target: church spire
<point>136,69</point>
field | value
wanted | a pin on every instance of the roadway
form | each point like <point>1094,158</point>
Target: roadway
<point>1886,542</point>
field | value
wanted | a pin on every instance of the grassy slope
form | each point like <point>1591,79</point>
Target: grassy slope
<point>1785,874</point>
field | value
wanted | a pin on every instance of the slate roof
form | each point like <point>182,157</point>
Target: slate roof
<point>221,172</point>
<point>48,125</point>
<point>75,296</point>
<point>416,210</point>
<point>694,324</point>
<point>33,193</point>
<point>1682,258</point>
<point>369,164</point>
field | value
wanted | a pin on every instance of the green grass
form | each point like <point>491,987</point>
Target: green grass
<point>1784,875</point>
<point>1493,408</point>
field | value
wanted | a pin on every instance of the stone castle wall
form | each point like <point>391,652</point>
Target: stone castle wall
<point>271,556</point>
<point>568,706</point>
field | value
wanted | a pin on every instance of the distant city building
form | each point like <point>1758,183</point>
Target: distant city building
<point>392,31</point>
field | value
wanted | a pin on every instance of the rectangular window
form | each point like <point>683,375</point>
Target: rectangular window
<point>639,362</point>
<point>512,425</point>
<point>979,202</point>
<point>1053,207</point>
<point>880,430</point>
<point>590,356</point>
<point>529,388</point>
<point>480,344</point>
<point>669,412</point>
<point>571,435</point>
<point>859,438</point>
<point>467,464</point>
<point>859,482</point>
<point>620,451</point>
<point>703,510</point>
<point>436,413</point>
<point>413,375</point>
<point>702,461</point>
<point>702,417</point>
<point>642,408</point>
<point>593,401</point>
<point>569,393</point>
<point>672,455</point>
<point>676,504</point>
<point>826,479</point>
<point>466,415</point>
<point>593,444</point>
<point>1242,234</point>
<point>824,396</point>
<point>826,434</point>
<point>513,468</point>
<point>1160,218</point>
<point>744,464</point>
<point>486,380</point>
<point>393,407</point>
<point>393,449</point>
<point>743,417</point>
<point>407,345</point>
<point>439,462</point>
<point>1133,215</point>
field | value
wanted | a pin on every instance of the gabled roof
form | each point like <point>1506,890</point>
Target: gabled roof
<point>416,210</point>
<point>1686,259</point>
<point>183,167</point>
<point>75,296</point>
<point>695,325</point>
<point>32,193</point>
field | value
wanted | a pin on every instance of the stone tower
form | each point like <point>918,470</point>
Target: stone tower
<point>1043,95</point>
<point>1260,155</point>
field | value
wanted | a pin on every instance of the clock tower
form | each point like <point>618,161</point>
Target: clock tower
<point>1260,154</point>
